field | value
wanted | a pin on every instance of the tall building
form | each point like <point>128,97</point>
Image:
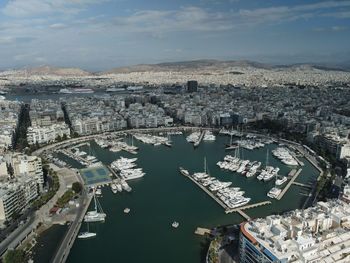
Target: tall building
<point>318,234</point>
<point>192,86</point>
<point>16,196</point>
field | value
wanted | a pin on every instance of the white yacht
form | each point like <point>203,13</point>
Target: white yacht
<point>274,192</point>
<point>84,235</point>
<point>175,224</point>
<point>95,215</point>
<point>281,180</point>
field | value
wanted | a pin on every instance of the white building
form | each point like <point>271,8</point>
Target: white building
<point>17,195</point>
<point>43,135</point>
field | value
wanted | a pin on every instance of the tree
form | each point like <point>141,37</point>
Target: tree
<point>15,256</point>
<point>77,187</point>
<point>10,169</point>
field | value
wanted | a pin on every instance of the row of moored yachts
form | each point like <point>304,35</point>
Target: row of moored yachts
<point>232,197</point>
<point>285,156</point>
<point>251,168</point>
<point>127,168</point>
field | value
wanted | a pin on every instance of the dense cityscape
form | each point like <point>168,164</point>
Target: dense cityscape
<point>189,131</point>
<point>313,117</point>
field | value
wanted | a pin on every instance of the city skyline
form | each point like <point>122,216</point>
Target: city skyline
<point>99,35</point>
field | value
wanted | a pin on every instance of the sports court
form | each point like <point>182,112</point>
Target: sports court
<point>95,175</point>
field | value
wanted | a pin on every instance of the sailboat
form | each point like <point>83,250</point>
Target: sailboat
<point>168,142</point>
<point>87,234</point>
<point>95,215</point>
<point>231,146</point>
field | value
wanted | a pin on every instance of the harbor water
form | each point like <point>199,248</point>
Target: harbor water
<point>163,195</point>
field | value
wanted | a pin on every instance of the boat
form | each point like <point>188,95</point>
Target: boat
<point>127,210</point>
<point>95,215</point>
<point>114,188</point>
<point>175,224</point>
<point>184,171</point>
<point>84,235</point>
<point>274,192</point>
<point>281,181</point>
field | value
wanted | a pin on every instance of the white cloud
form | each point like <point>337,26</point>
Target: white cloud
<point>6,40</point>
<point>24,8</point>
<point>58,26</point>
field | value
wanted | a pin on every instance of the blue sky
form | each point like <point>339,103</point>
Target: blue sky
<point>102,34</point>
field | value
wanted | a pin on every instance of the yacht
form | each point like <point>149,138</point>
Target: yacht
<point>127,210</point>
<point>114,188</point>
<point>274,192</point>
<point>281,181</point>
<point>175,224</point>
<point>95,215</point>
<point>84,235</point>
<point>125,186</point>
<point>184,171</point>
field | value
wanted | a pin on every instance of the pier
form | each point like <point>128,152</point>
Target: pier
<point>196,144</point>
<point>302,185</point>
<point>68,241</point>
<point>289,184</point>
<point>247,207</point>
<point>208,192</point>
<point>202,231</point>
<point>113,172</point>
<point>239,211</point>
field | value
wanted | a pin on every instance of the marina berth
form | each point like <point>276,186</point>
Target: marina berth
<point>193,137</point>
<point>227,196</point>
<point>274,192</point>
<point>285,156</point>
<point>209,136</point>
<point>126,168</point>
<point>152,139</point>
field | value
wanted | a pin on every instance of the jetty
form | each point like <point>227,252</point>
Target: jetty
<point>207,191</point>
<point>291,181</point>
<point>202,231</point>
<point>68,241</point>
<point>240,209</point>
<point>196,144</point>
<point>113,172</point>
<point>302,185</point>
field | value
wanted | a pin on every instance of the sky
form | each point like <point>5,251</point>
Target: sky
<point>97,35</point>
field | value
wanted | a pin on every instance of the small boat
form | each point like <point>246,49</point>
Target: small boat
<point>175,224</point>
<point>127,210</point>
<point>84,235</point>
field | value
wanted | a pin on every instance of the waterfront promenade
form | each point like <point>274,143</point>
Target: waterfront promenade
<point>68,241</point>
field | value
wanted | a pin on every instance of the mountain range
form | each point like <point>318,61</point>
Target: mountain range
<point>195,65</point>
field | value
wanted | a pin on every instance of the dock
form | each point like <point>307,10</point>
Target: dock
<point>302,185</point>
<point>113,172</point>
<point>196,144</point>
<point>291,181</point>
<point>208,192</point>
<point>239,211</point>
<point>202,231</point>
<point>68,241</point>
<point>247,207</point>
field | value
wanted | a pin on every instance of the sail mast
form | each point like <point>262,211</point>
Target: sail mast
<point>267,157</point>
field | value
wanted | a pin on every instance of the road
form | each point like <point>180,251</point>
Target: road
<point>68,241</point>
<point>40,216</point>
